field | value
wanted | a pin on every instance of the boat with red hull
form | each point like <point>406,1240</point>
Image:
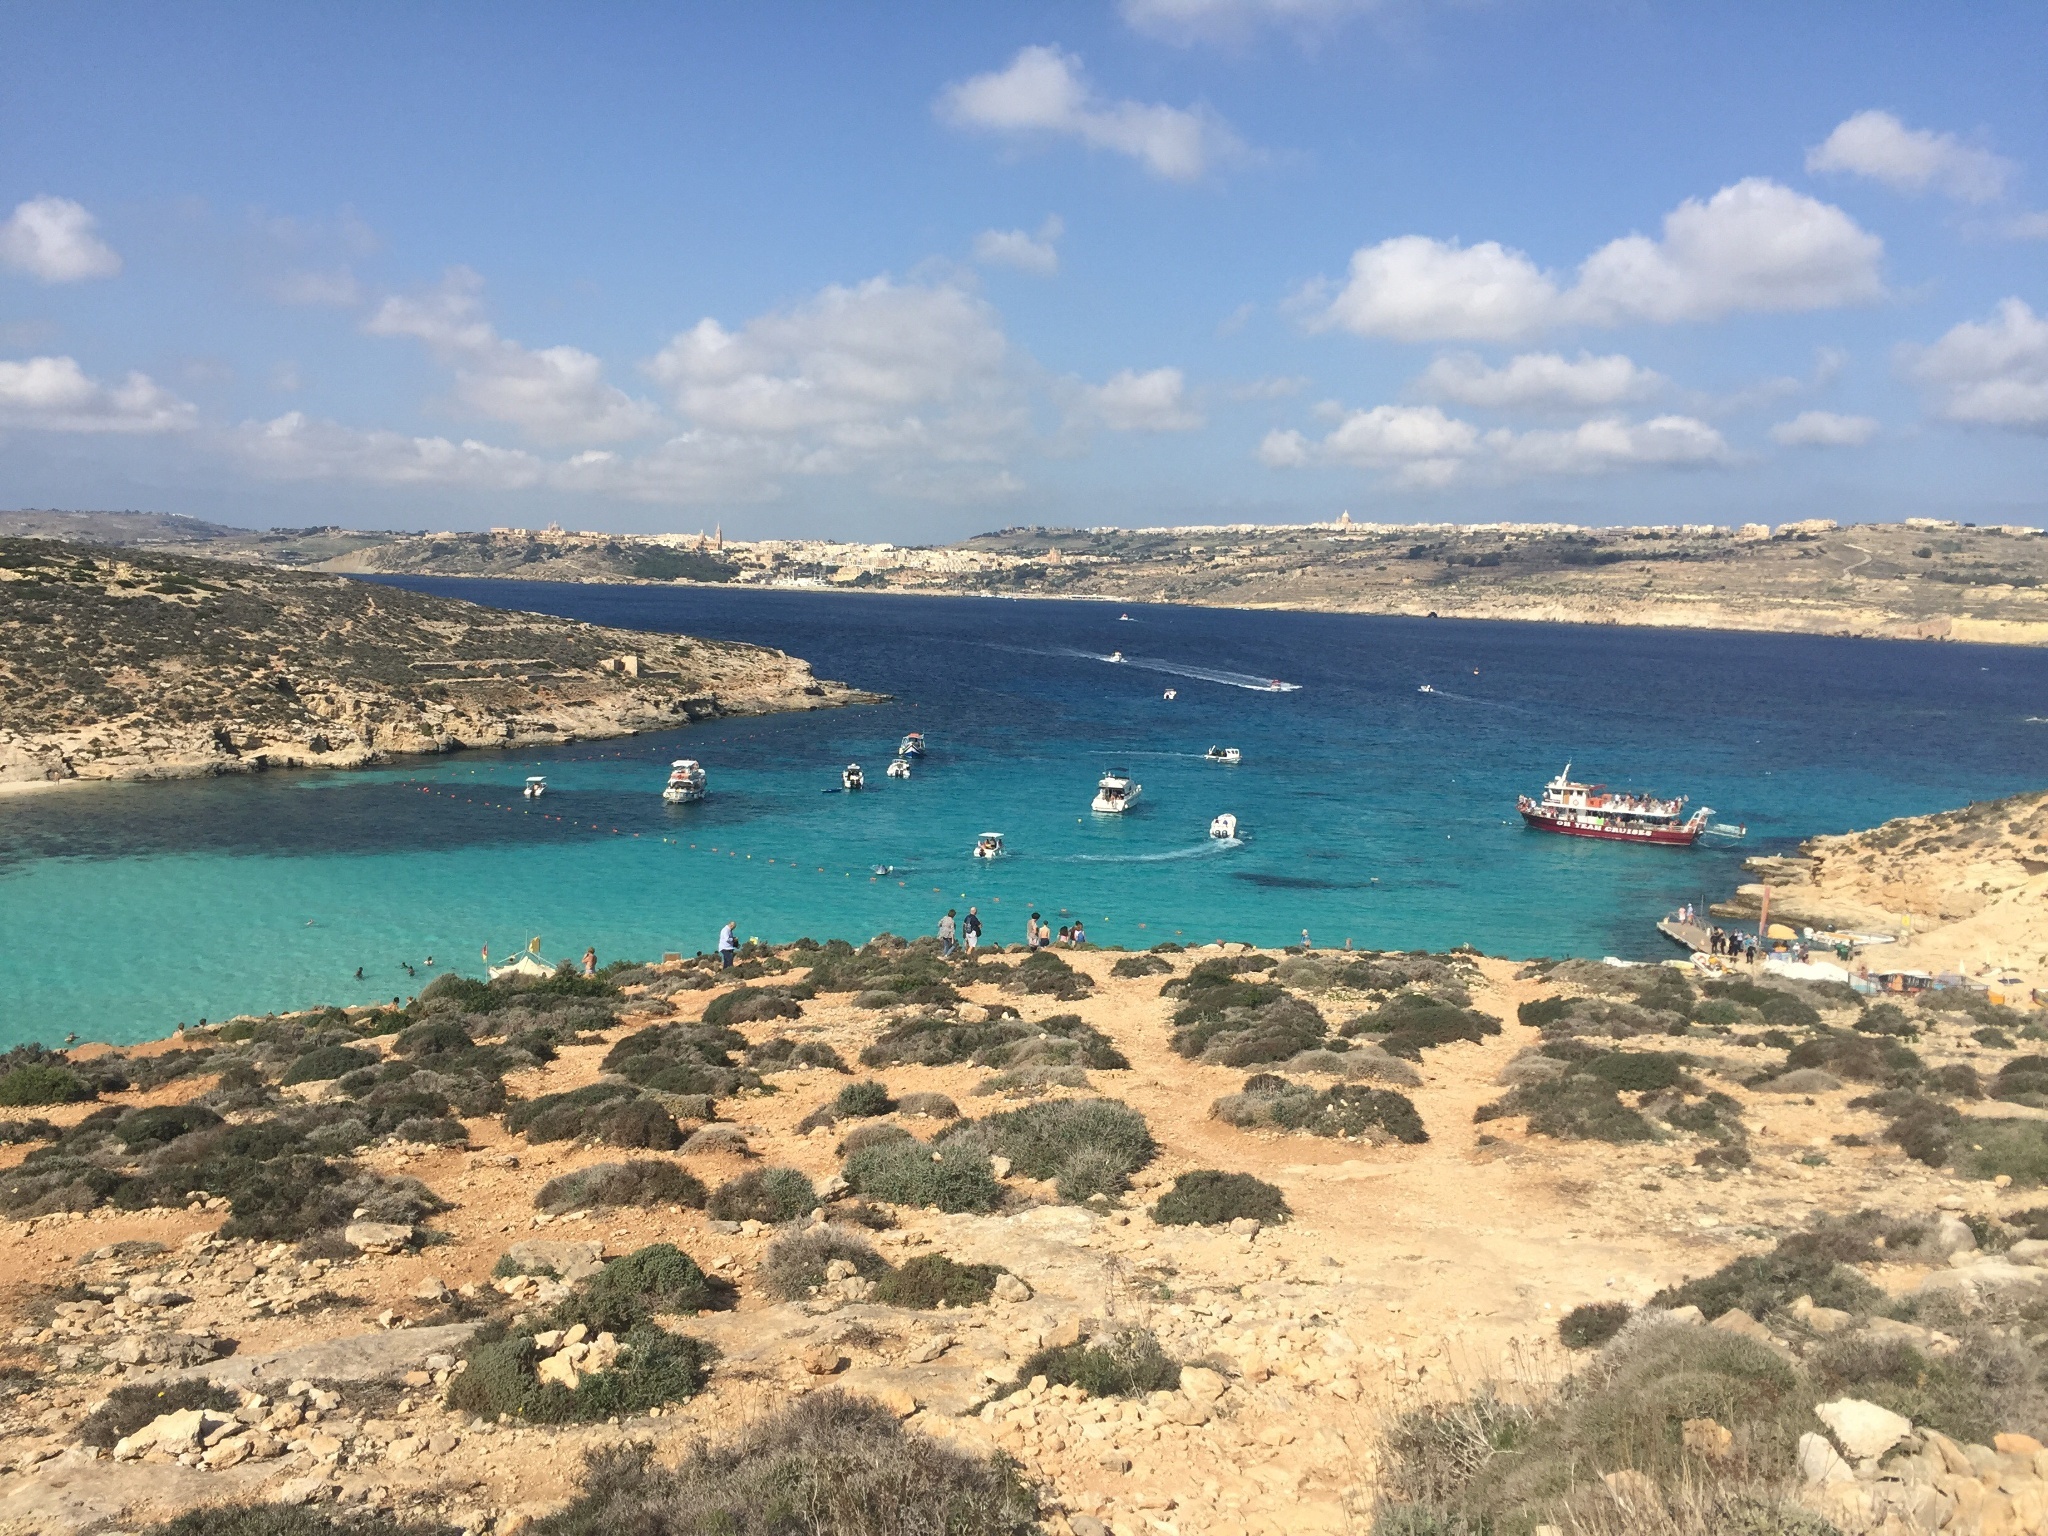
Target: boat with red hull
<point>1592,810</point>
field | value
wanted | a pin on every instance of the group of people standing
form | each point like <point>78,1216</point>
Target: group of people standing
<point>955,932</point>
<point>1737,946</point>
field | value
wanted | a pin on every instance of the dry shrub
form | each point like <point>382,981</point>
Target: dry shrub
<point>769,1195</point>
<point>642,1181</point>
<point>795,1264</point>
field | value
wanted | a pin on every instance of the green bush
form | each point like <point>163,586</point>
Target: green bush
<point>1141,965</point>
<point>782,1054</point>
<point>1126,1364</point>
<point>654,1367</point>
<point>1576,1107</point>
<point>1638,1071</point>
<point>828,1464</point>
<point>1815,1263</point>
<point>328,1062</point>
<point>1001,1040</point>
<point>614,1113</point>
<point>907,1172</point>
<point>641,1181</point>
<point>1206,1197</point>
<point>43,1083</point>
<point>627,1291</point>
<point>863,1100</point>
<point>1984,1149</point>
<point>752,1005</point>
<point>1591,1325</point>
<point>873,1134</point>
<point>764,1194</point>
<point>127,1408</point>
<point>2023,1080</point>
<point>930,1106</point>
<point>1343,1110</point>
<point>1410,1023</point>
<point>794,1266</point>
<point>164,1123</point>
<point>1086,1146</point>
<point>1045,974</point>
<point>929,1279</point>
<point>289,1520</point>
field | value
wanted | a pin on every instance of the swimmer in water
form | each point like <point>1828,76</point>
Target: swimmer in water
<point>359,973</point>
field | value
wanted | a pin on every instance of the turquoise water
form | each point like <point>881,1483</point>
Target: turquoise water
<point>1370,811</point>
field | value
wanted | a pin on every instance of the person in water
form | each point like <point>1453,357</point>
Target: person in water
<point>359,973</point>
<point>728,944</point>
<point>590,962</point>
<point>971,930</point>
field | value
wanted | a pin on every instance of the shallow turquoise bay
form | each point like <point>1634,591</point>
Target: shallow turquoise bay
<point>1371,812</point>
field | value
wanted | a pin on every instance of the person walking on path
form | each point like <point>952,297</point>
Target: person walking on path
<point>728,945</point>
<point>946,935</point>
<point>590,962</point>
<point>971,929</point>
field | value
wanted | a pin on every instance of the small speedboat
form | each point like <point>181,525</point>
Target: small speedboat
<point>912,745</point>
<point>1170,695</point>
<point>1224,826</point>
<point>1224,755</point>
<point>1425,688</point>
<point>899,768</point>
<point>1123,618</point>
<point>1115,792</point>
<point>885,869</point>
<point>685,781</point>
<point>536,786</point>
<point>1116,655</point>
<point>989,846</point>
<point>850,777</point>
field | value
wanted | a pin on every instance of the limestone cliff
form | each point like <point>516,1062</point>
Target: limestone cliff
<point>124,664</point>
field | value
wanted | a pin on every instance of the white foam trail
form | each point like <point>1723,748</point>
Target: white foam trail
<point>1200,850</point>
<point>1152,664</point>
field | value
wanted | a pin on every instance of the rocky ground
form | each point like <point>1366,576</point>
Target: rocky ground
<point>1964,891</point>
<point>125,664</point>
<point>1615,1134</point>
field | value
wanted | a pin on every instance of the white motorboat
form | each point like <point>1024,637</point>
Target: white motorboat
<point>1170,695</point>
<point>527,962</point>
<point>1115,792</point>
<point>1425,688</point>
<point>989,846</point>
<point>1224,755</point>
<point>899,768</point>
<point>912,745</point>
<point>536,786</point>
<point>850,777</point>
<point>1224,826</point>
<point>1123,618</point>
<point>685,781</point>
<point>1116,655</point>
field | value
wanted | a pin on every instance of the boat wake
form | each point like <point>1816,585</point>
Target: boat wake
<point>1466,698</point>
<point>1212,845</point>
<point>1176,669</point>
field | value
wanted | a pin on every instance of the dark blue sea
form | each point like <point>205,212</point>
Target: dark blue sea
<point>1369,811</point>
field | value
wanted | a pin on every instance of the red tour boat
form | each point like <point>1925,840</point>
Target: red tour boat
<point>1591,810</point>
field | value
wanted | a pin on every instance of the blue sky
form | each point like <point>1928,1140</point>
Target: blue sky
<point>912,271</point>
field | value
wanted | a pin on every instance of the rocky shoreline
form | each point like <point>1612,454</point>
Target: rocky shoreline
<point>123,666</point>
<point>1083,1242</point>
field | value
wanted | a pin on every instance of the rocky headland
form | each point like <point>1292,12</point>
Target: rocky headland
<point>1213,1240</point>
<point>1963,892</point>
<point>122,663</point>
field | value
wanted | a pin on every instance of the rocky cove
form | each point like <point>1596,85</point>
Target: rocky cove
<point>121,665</point>
<point>1202,1240</point>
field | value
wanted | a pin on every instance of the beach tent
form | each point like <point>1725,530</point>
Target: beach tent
<point>1780,931</point>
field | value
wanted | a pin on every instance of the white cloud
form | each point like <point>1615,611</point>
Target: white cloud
<point>1755,247</point>
<point>1043,92</point>
<point>1610,443</point>
<point>1539,381</point>
<point>1824,429</point>
<point>1423,446</point>
<point>554,394</point>
<point>2027,226</point>
<point>1990,373</point>
<point>1279,386</point>
<point>1412,288</point>
<point>52,238</point>
<point>855,373</point>
<point>1234,21</point>
<point>1878,145</point>
<point>53,394</point>
<point>1038,254</point>
<point>296,447</point>
<point>1143,402</point>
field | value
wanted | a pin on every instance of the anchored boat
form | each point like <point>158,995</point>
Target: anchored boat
<point>899,768</point>
<point>685,781</point>
<point>850,777</point>
<point>1592,810</point>
<point>1115,792</point>
<point>989,846</point>
<point>536,786</point>
<point>912,745</point>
